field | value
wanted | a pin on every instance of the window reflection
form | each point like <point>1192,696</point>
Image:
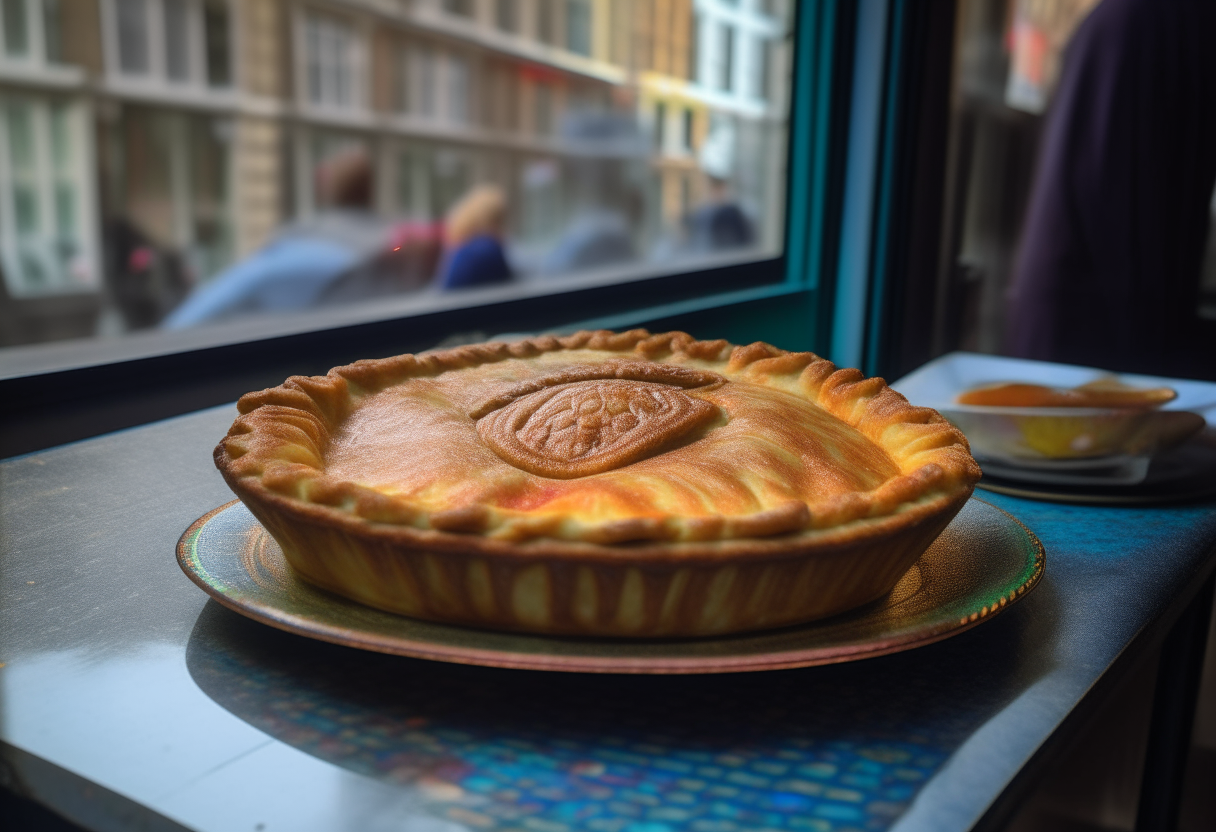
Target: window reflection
<point>180,162</point>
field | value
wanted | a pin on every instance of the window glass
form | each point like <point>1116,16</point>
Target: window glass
<point>459,92</point>
<point>16,28</point>
<point>427,79</point>
<point>181,192</point>
<point>578,26</point>
<point>43,245</point>
<point>505,12</point>
<point>330,56</point>
<point>660,126</point>
<point>177,44</point>
<point>727,61</point>
<point>693,70</point>
<point>761,75</point>
<point>546,31</point>
<point>217,43</point>
<point>132,25</point>
<point>52,29</point>
<point>543,102</point>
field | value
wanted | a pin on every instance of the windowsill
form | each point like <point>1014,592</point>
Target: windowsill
<point>52,76</point>
<point>26,361</point>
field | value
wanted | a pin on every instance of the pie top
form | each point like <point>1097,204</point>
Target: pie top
<point>597,438</point>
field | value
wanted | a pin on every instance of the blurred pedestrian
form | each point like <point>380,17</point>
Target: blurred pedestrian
<point>719,223</point>
<point>344,252</point>
<point>473,235</point>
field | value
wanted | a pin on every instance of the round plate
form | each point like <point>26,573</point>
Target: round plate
<point>982,562</point>
<point>1185,474</point>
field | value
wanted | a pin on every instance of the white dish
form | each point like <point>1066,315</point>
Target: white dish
<point>1068,446</point>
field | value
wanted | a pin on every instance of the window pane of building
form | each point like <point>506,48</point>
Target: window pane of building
<point>22,165</point>
<point>764,71</point>
<point>63,170</point>
<point>16,28</point>
<point>218,44</point>
<point>693,72</point>
<point>177,41</point>
<point>331,53</point>
<point>578,26</point>
<point>52,30</point>
<point>506,14</point>
<point>459,92</point>
<point>727,79</point>
<point>403,90</point>
<point>427,80</point>
<point>132,35</point>
<point>544,109</point>
<point>546,28</point>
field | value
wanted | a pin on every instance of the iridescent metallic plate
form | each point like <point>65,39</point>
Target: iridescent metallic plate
<point>984,561</point>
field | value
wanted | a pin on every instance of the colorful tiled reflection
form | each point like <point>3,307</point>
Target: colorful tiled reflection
<point>491,749</point>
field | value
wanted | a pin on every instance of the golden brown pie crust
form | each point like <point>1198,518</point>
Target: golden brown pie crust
<point>599,484</point>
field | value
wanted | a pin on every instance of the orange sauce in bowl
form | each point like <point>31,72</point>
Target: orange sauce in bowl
<point>1104,392</point>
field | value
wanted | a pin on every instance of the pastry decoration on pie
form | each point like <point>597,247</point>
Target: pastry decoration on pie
<point>607,484</point>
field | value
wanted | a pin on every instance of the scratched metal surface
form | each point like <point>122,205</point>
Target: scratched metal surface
<point>127,697</point>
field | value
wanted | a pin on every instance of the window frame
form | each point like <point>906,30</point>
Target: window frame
<point>196,87</point>
<point>46,399</point>
<point>46,179</point>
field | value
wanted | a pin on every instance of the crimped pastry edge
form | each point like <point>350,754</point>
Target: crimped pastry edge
<point>670,597</point>
<point>273,454</point>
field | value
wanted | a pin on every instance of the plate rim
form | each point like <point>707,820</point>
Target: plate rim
<point>413,647</point>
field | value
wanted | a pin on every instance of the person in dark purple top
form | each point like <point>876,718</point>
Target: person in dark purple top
<point>1108,270</point>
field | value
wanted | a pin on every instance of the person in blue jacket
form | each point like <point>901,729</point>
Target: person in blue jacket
<point>300,264</point>
<point>473,236</point>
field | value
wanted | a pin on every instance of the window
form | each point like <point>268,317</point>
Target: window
<point>464,8</point>
<point>15,17</point>
<point>727,66</point>
<point>578,26</point>
<point>173,42</point>
<point>192,169</point>
<point>52,29</point>
<point>459,92</point>
<point>330,61</point>
<point>693,73</point>
<point>133,47</point>
<point>217,40</point>
<point>168,174</point>
<point>31,31</point>
<point>546,29</point>
<point>424,60</point>
<point>764,72</point>
<point>46,243</point>
<point>403,90</point>
<point>177,40</point>
<point>544,108</point>
<point>506,15</point>
<point>660,126</point>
